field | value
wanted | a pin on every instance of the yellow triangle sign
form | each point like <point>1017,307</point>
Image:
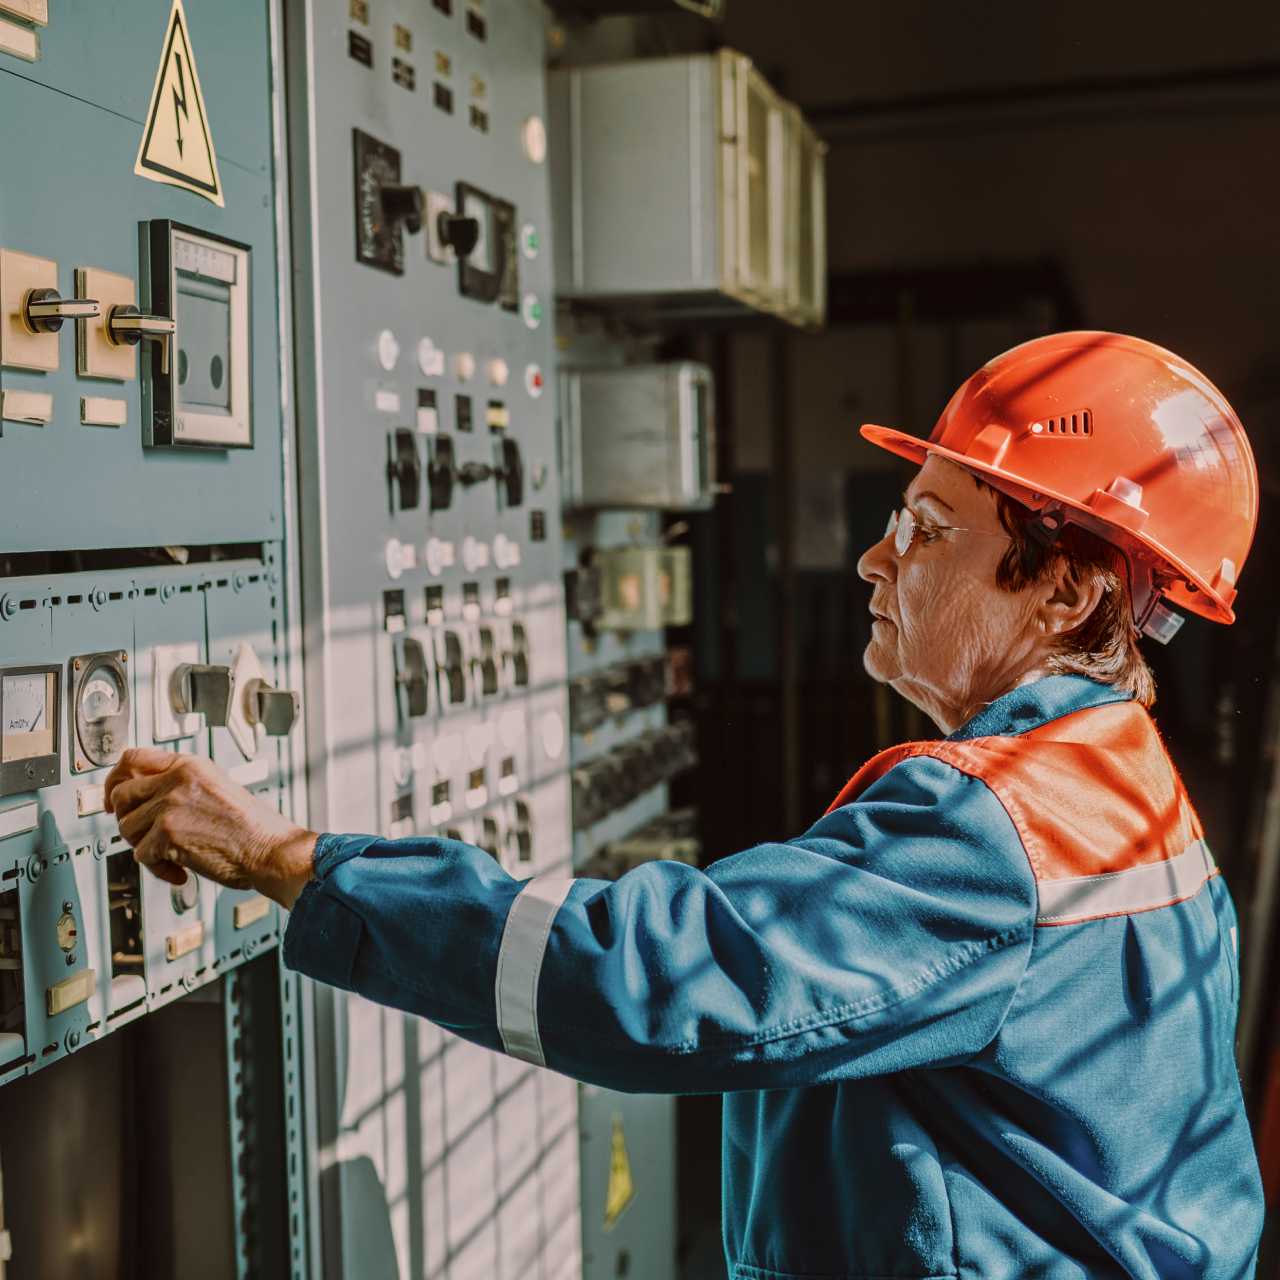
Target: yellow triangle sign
<point>177,147</point>
<point>622,1190</point>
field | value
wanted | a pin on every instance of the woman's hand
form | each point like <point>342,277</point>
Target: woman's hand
<point>182,811</point>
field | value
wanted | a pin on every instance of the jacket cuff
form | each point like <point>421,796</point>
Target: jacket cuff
<point>333,850</point>
<point>323,936</point>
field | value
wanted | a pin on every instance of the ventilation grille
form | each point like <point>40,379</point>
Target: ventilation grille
<point>1068,425</point>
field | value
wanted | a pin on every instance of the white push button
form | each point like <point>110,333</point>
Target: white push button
<point>388,350</point>
<point>430,359</point>
<point>464,366</point>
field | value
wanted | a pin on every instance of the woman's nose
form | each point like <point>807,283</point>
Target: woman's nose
<point>878,563</point>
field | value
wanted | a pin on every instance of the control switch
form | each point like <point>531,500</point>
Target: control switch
<point>32,312</point>
<point>412,679</point>
<point>202,690</point>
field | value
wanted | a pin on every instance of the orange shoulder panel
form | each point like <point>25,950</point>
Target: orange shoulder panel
<point>1089,793</point>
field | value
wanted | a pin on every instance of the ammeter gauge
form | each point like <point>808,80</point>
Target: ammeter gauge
<point>195,389</point>
<point>30,750</point>
<point>98,709</point>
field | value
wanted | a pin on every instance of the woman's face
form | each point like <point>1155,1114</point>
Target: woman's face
<point>945,635</point>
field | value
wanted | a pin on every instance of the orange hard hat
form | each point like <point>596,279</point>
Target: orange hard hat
<point>1123,438</point>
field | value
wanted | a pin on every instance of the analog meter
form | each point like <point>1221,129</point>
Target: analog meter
<point>30,752</point>
<point>98,709</point>
<point>195,388</point>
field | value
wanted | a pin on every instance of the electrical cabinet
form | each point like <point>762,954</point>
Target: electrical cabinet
<point>144,600</point>
<point>638,436</point>
<point>671,186</point>
<point>436,673</point>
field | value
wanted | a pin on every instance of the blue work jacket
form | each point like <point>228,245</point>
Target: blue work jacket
<point>977,1021</point>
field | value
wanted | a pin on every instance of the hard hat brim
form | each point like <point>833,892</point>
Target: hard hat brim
<point>1206,601</point>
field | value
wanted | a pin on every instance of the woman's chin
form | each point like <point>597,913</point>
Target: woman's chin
<point>879,662</point>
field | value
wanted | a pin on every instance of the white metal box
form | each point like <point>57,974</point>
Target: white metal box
<point>669,184</point>
<point>638,436</point>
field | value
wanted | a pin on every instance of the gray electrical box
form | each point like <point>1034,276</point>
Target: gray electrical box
<point>638,436</point>
<point>669,184</point>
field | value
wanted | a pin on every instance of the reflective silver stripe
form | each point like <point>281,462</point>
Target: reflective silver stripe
<point>1154,884</point>
<point>524,942</point>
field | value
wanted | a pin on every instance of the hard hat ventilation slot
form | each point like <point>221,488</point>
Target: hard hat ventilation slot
<point>1065,426</point>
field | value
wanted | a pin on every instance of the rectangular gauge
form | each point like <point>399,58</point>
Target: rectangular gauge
<point>195,391</point>
<point>30,750</point>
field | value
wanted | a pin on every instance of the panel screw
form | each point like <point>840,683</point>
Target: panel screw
<point>73,1039</point>
<point>8,607</point>
<point>67,908</point>
<point>239,581</point>
<point>76,664</point>
<point>71,958</point>
<point>100,849</point>
<point>35,865</point>
<point>167,590</point>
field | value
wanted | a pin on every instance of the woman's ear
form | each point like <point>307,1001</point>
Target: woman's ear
<point>1065,601</point>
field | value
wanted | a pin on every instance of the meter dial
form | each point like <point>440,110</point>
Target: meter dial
<point>379,235</point>
<point>99,709</point>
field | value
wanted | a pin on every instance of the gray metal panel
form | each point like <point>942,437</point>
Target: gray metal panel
<point>433,1169</point>
<point>641,148</point>
<point>95,476</point>
<point>641,1241</point>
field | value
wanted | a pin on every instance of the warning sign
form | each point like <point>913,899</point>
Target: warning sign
<point>177,147</point>
<point>622,1190</point>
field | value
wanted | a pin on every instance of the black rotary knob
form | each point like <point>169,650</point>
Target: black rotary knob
<point>403,205</point>
<point>461,233</point>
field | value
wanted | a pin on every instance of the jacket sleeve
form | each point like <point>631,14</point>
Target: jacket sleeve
<point>892,935</point>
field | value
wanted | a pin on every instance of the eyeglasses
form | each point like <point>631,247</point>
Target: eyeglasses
<point>905,528</point>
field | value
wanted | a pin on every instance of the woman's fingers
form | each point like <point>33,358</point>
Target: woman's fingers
<point>140,764</point>
<point>138,821</point>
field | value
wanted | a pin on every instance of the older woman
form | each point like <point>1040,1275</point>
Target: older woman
<point>977,1021</point>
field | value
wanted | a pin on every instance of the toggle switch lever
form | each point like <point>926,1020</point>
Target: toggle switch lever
<point>127,326</point>
<point>43,311</point>
<point>458,231</point>
<point>203,690</point>
<point>510,475</point>
<point>474,473</point>
<point>276,710</point>
<point>404,205</point>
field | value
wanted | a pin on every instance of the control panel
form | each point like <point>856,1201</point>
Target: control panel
<point>144,570</point>
<point>436,678</point>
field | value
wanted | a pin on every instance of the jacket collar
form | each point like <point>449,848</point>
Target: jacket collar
<point>1032,705</point>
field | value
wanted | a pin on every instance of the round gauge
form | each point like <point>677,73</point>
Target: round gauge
<point>100,698</point>
<point>100,710</point>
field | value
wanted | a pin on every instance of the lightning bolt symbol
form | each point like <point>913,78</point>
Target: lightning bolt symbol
<point>179,99</point>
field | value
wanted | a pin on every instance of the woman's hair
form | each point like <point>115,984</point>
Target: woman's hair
<point>1105,646</point>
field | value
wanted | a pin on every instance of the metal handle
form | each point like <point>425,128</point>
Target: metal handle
<point>127,326</point>
<point>43,310</point>
<point>276,710</point>
<point>203,690</point>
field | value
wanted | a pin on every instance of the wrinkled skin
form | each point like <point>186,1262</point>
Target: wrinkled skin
<point>180,812</point>
<point>946,636</point>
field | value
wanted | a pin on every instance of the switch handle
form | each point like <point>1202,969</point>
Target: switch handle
<point>474,472</point>
<point>43,310</point>
<point>404,205</point>
<point>203,690</point>
<point>276,710</point>
<point>127,326</point>
<point>458,231</point>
